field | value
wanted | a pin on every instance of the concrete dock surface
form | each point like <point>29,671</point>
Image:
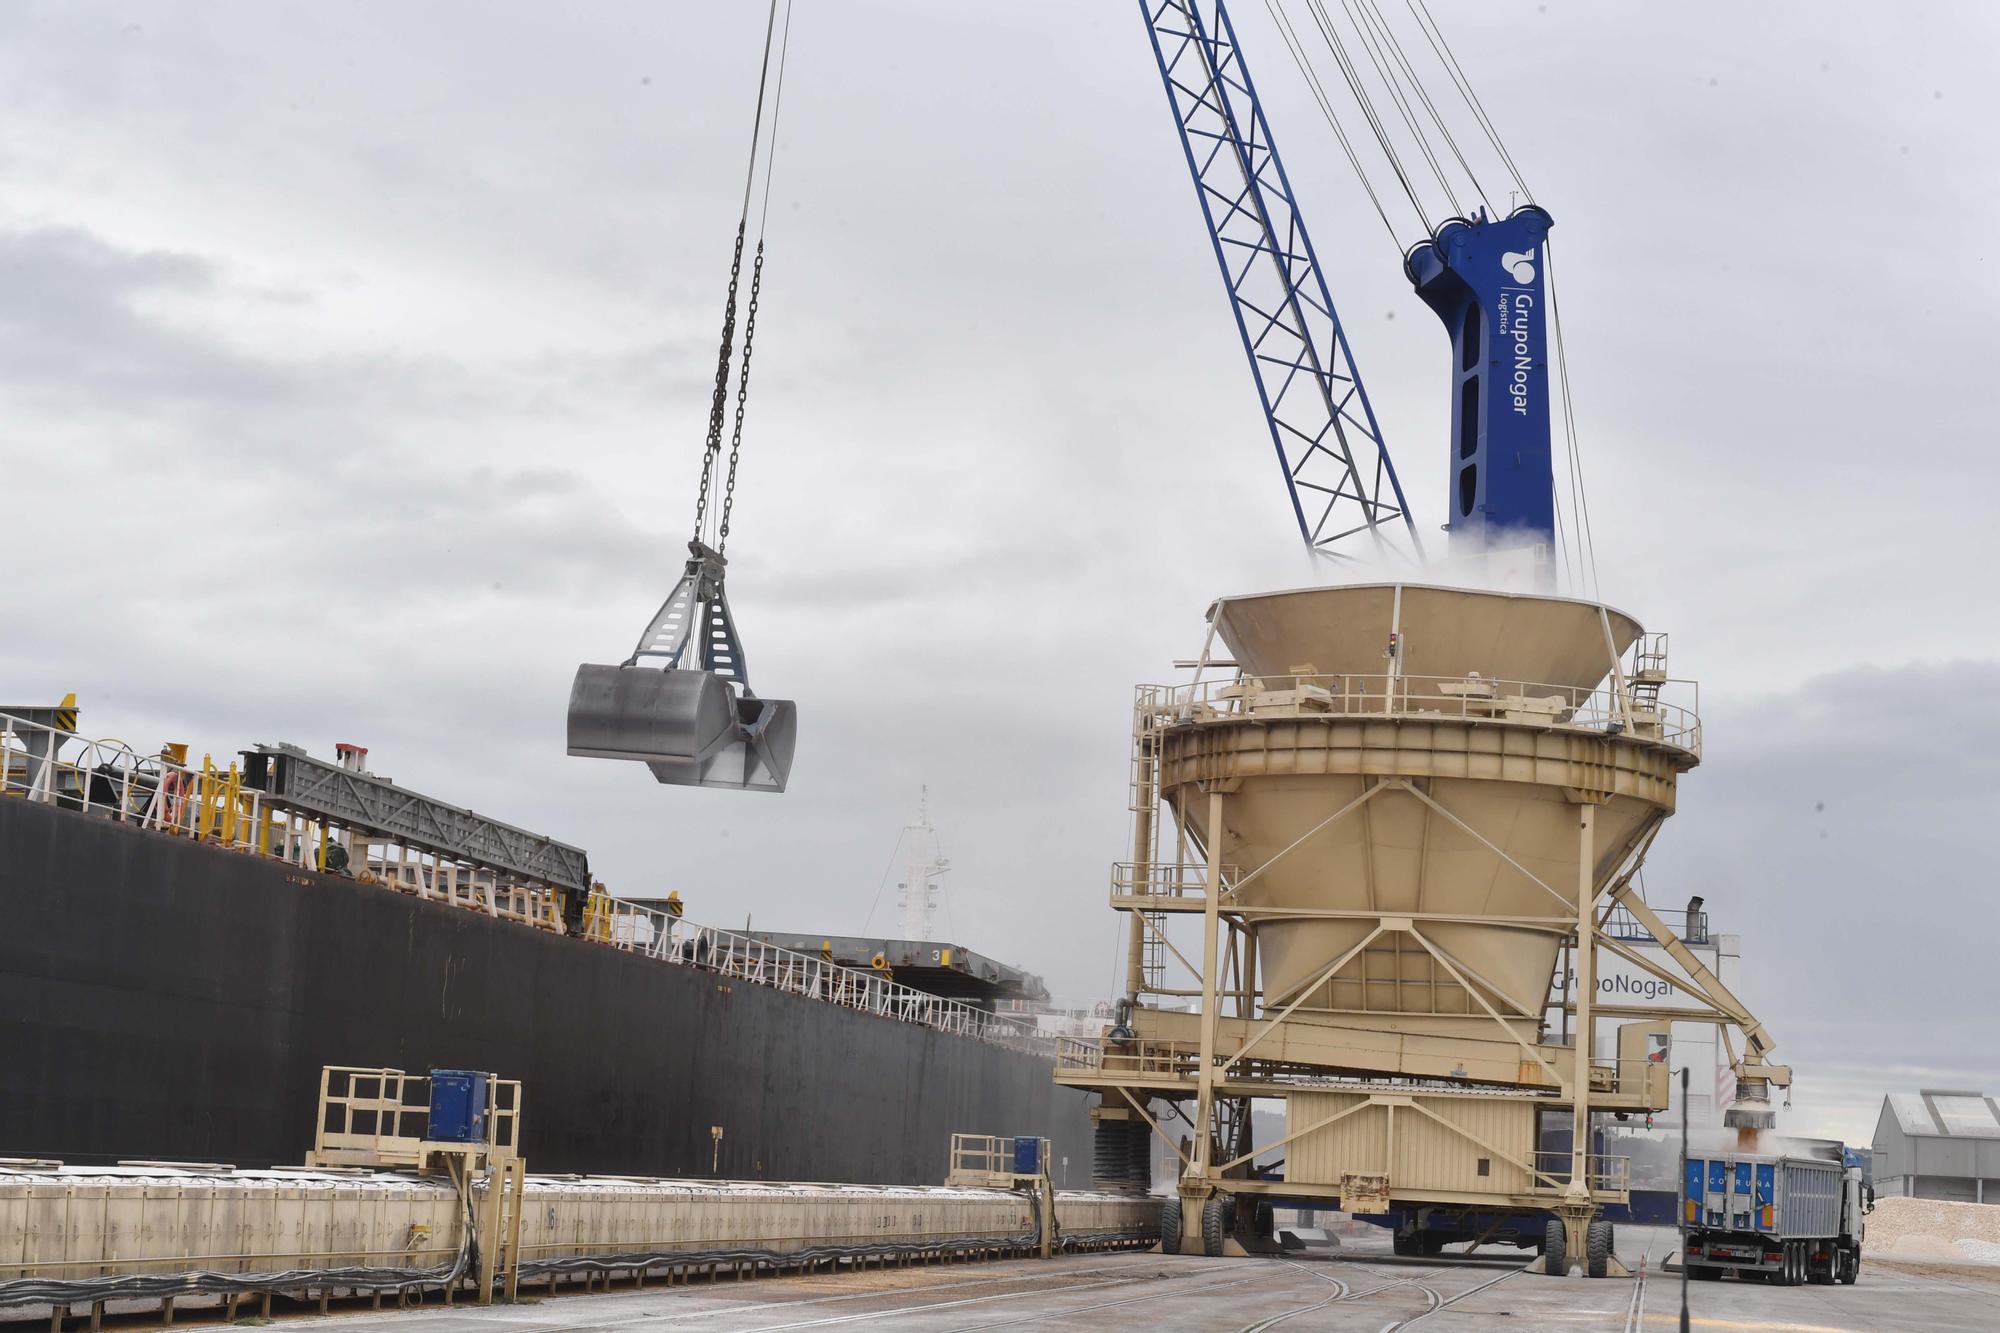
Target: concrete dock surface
<point>1361,1287</point>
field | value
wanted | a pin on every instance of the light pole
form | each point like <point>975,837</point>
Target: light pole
<point>1684,1203</point>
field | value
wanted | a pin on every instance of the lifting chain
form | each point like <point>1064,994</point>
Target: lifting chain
<point>742,392</point>
<point>721,398</point>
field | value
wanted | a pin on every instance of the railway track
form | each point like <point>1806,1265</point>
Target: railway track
<point>1425,1284</point>
<point>1635,1313</point>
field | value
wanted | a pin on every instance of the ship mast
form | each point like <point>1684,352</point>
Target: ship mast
<point>924,878</point>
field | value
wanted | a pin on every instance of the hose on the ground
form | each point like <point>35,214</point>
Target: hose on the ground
<point>813,1254</point>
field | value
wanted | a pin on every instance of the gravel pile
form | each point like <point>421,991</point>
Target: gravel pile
<point>1936,1230</point>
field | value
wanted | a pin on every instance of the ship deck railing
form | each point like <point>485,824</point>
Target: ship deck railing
<point>213,804</point>
<point>638,928</point>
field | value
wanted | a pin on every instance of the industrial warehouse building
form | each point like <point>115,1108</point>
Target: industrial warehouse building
<point>1937,1144</point>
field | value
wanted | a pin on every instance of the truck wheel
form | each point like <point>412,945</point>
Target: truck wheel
<point>1795,1264</point>
<point>1850,1266</point>
<point>1170,1227</point>
<point>1554,1240</point>
<point>1218,1219</point>
<point>1264,1219</point>
<point>1598,1255</point>
<point>1821,1275</point>
<point>1408,1245</point>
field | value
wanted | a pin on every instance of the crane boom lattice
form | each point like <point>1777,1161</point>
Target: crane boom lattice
<point>1337,467</point>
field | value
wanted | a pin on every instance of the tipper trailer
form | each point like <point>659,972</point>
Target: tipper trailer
<point>1783,1219</point>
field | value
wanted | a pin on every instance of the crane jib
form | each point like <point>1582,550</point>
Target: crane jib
<point>1338,474</point>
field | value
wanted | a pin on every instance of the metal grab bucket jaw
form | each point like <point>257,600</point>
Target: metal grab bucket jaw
<point>759,758</point>
<point>690,727</point>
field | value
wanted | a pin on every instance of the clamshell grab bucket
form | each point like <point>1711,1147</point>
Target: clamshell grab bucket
<point>693,725</point>
<point>689,727</point>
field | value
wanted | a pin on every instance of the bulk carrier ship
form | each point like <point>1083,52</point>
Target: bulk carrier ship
<point>188,945</point>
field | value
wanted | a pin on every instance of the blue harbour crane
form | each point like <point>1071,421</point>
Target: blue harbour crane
<point>1485,277</point>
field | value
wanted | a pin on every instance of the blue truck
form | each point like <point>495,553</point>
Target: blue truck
<point>1774,1218</point>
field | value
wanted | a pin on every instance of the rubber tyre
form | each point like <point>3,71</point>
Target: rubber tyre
<point>1794,1253</point>
<point>1170,1227</point>
<point>1407,1245</point>
<point>1218,1219</point>
<point>1555,1262</point>
<point>1850,1267</point>
<point>1264,1219</point>
<point>1430,1243</point>
<point>1597,1256</point>
<point>1822,1277</point>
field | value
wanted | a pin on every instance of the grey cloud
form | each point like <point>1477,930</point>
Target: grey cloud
<point>72,331</point>
<point>1003,445</point>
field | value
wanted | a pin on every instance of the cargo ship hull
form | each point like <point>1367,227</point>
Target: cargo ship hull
<point>164,999</point>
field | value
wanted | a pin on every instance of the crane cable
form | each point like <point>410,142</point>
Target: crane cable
<point>1386,73</point>
<point>1442,47</point>
<point>719,402</point>
<point>1388,36</point>
<point>1580,498</point>
<point>1298,52</point>
<point>1576,540</point>
<point>1352,75</point>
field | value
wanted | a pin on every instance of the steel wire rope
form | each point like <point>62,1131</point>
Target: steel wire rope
<point>1385,71</point>
<point>1562,537</point>
<point>756,271</point>
<point>1298,53</point>
<point>1434,34</point>
<point>1395,45</point>
<point>883,883</point>
<point>719,401</point>
<point>1352,75</point>
<point>1587,556</point>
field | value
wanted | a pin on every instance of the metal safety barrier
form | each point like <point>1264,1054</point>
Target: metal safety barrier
<point>1602,710</point>
<point>653,933</point>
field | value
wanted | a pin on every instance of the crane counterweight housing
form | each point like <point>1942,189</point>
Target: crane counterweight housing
<point>1487,279</point>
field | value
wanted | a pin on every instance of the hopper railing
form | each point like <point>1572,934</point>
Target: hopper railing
<point>1172,881</point>
<point>1689,927</point>
<point>1601,710</point>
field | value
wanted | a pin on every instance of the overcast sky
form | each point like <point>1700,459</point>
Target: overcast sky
<point>354,365</point>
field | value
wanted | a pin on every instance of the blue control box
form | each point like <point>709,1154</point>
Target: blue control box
<point>458,1106</point>
<point>1027,1156</point>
